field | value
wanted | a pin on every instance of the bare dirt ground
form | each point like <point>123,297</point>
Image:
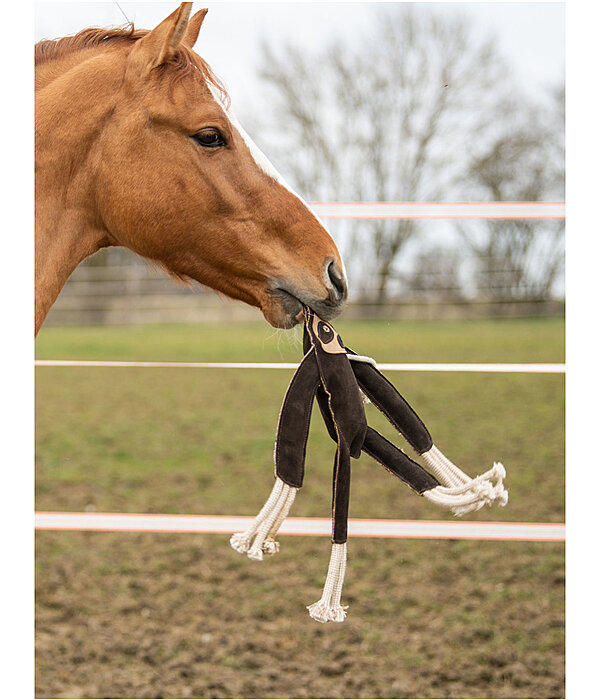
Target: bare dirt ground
<point>180,616</point>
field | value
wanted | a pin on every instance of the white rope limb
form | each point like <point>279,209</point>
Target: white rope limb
<point>266,524</point>
<point>270,545</point>
<point>256,552</point>
<point>329,608</point>
<point>240,541</point>
<point>445,471</point>
<point>461,493</point>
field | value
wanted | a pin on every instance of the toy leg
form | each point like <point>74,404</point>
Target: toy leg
<point>290,450</point>
<point>329,608</point>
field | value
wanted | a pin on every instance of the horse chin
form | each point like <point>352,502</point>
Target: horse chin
<point>284,310</point>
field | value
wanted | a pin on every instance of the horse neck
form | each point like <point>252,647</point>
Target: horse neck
<point>70,117</point>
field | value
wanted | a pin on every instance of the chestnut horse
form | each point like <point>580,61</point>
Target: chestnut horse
<point>136,146</point>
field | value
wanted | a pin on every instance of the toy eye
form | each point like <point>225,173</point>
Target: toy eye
<point>325,333</point>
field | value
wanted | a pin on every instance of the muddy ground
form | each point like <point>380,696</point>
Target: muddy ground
<point>183,616</point>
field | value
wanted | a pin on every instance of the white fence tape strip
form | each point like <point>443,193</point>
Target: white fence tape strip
<point>215,524</point>
<point>211,365</point>
<point>538,368</point>
<point>439,210</point>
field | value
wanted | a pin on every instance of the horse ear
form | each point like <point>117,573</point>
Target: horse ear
<point>193,28</point>
<point>159,45</point>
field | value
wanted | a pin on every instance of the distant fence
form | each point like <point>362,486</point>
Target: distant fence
<point>138,293</point>
<point>135,292</point>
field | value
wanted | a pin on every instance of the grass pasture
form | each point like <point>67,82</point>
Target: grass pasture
<point>141,615</point>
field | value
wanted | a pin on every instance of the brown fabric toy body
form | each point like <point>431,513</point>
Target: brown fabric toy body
<point>339,379</point>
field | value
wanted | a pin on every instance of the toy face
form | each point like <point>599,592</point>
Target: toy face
<point>330,340</point>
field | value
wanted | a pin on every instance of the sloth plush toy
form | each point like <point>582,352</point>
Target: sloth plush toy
<point>342,381</point>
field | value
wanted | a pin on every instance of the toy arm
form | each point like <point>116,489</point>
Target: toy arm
<point>398,463</point>
<point>392,404</point>
<point>294,422</point>
<point>454,489</point>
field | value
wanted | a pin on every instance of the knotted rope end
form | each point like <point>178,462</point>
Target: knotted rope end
<point>459,492</point>
<point>322,612</point>
<point>240,542</point>
<point>270,546</point>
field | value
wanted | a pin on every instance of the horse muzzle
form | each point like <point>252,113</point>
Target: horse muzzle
<point>288,298</point>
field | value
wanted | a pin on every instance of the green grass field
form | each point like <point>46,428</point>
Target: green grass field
<point>185,616</point>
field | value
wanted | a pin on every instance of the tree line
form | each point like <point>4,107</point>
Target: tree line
<point>421,108</point>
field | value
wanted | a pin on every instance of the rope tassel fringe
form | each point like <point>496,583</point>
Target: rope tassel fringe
<point>329,607</point>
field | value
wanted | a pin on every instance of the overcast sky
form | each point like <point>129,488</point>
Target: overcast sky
<point>531,35</point>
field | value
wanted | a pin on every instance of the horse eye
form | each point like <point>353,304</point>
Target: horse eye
<point>210,138</point>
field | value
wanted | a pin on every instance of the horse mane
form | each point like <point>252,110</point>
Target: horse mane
<point>184,61</point>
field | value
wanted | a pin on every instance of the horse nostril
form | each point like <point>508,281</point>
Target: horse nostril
<point>337,280</point>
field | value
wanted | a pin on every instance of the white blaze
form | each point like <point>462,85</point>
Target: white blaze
<point>260,158</point>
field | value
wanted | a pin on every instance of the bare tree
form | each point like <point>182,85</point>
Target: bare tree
<point>520,259</point>
<point>394,117</point>
<point>435,274</point>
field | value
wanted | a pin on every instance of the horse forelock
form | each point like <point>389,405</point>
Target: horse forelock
<point>183,63</point>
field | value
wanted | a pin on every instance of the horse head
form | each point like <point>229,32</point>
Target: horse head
<point>172,175</point>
